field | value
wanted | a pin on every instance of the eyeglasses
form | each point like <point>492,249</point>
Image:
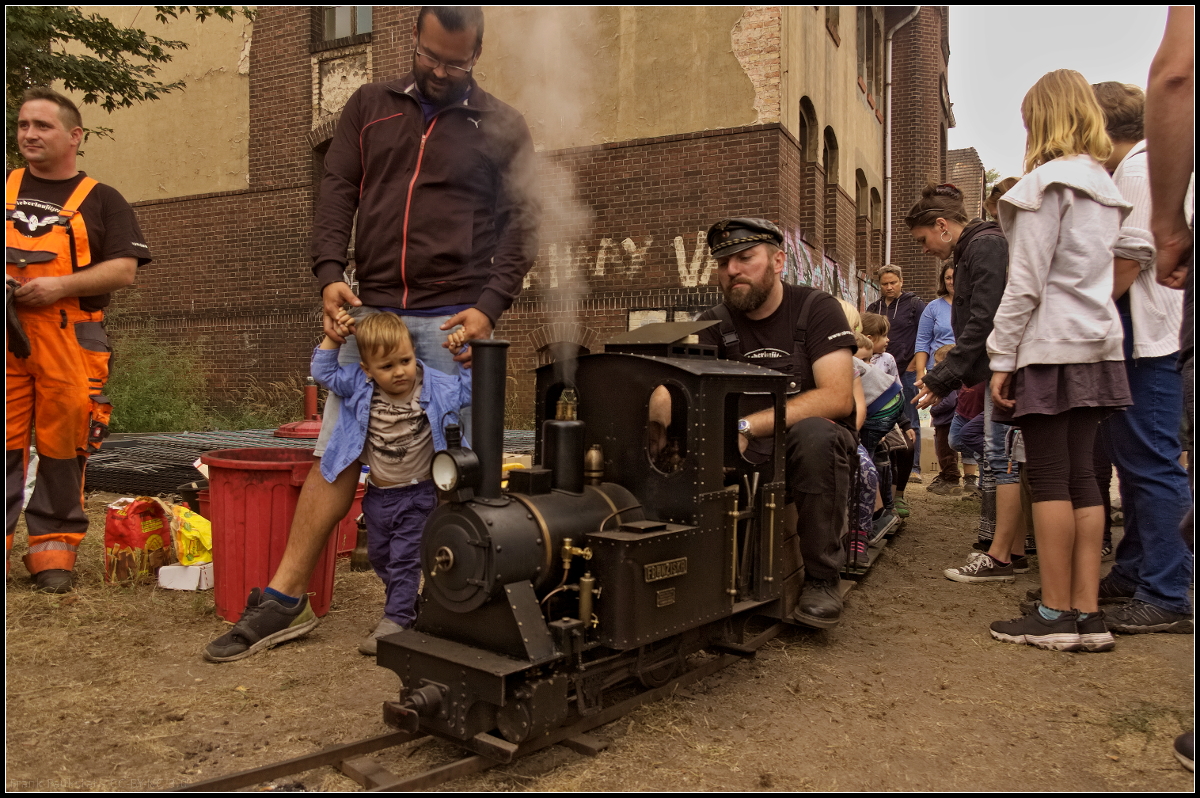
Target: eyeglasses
<point>431,63</point>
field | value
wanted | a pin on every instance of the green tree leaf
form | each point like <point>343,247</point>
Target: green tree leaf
<point>117,68</point>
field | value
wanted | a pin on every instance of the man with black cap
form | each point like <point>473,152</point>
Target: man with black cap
<point>803,333</point>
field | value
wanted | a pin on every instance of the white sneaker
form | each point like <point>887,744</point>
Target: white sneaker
<point>386,626</point>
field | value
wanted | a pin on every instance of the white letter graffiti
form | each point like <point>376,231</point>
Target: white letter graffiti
<point>637,257</point>
<point>691,276</point>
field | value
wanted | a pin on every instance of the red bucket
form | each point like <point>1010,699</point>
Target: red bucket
<point>253,496</point>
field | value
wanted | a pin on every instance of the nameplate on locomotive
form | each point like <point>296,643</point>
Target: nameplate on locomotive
<point>665,598</point>
<point>665,569</point>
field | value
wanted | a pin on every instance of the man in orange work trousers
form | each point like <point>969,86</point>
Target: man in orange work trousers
<point>69,243</point>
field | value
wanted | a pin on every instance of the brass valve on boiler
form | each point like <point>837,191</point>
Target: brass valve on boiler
<point>569,552</point>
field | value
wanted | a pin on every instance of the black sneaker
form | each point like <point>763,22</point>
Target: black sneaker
<point>1138,617</point>
<point>857,557</point>
<point>1020,564</point>
<point>1094,634</point>
<point>943,487</point>
<point>265,623</point>
<point>820,604</point>
<point>1109,593</point>
<point>1034,630</point>
<point>980,567</point>
<point>1112,593</point>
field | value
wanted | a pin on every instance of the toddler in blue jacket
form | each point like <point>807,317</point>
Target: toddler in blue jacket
<point>394,411</point>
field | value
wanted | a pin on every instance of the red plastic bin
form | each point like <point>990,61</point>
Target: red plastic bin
<point>252,499</point>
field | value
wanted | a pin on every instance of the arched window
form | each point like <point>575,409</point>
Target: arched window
<point>808,130</point>
<point>861,194</point>
<point>829,156</point>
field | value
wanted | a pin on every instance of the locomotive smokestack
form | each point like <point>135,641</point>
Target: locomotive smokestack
<point>488,372</point>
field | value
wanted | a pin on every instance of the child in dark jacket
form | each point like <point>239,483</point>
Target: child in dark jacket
<point>942,414</point>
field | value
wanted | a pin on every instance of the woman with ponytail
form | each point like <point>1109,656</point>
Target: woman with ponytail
<point>979,253</point>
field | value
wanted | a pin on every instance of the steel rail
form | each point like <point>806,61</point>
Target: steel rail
<point>377,779</point>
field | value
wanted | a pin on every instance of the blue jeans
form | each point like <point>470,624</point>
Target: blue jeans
<point>908,380</point>
<point>427,343</point>
<point>395,519</point>
<point>1143,443</point>
<point>995,463</point>
<point>956,442</point>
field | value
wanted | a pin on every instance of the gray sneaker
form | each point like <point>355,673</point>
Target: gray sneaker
<point>1138,617</point>
<point>264,624</point>
<point>370,646</point>
<point>981,567</point>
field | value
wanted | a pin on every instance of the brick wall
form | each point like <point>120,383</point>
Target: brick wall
<point>623,228</point>
<point>647,203</point>
<point>966,172</point>
<point>917,152</point>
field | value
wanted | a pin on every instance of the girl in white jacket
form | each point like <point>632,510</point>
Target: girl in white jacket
<point>1056,350</point>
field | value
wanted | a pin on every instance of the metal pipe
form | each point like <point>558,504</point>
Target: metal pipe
<point>562,453</point>
<point>489,362</point>
<point>887,133</point>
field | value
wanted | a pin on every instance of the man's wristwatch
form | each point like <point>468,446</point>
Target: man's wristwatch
<point>744,429</point>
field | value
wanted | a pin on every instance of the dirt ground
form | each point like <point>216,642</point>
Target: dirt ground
<point>106,690</point>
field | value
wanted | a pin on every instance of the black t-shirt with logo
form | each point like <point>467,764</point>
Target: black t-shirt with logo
<point>112,227</point>
<point>770,342</point>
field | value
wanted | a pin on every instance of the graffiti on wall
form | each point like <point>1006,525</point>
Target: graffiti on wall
<point>568,264</point>
<point>804,267</point>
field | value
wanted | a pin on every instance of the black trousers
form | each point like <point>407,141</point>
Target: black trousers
<point>821,457</point>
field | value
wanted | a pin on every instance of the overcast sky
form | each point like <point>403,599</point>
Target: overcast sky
<point>998,52</point>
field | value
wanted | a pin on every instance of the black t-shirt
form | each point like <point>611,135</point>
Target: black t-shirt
<point>112,227</point>
<point>770,342</point>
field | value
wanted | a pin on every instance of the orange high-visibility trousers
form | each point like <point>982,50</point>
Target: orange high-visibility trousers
<point>55,396</point>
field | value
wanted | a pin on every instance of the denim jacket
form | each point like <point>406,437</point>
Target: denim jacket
<point>441,398</point>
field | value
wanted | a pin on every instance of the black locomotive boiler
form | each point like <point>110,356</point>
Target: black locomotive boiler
<point>631,545</point>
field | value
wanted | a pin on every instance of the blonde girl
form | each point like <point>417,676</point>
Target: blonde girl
<point>1056,350</point>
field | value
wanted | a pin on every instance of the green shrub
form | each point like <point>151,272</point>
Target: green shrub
<point>262,407</point>
<point>155,387</point>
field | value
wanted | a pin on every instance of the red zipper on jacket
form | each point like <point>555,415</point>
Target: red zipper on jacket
<point>407,208</point>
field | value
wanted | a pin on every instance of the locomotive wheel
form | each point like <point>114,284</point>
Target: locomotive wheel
<point>659,676</point>
<point>665,671</point>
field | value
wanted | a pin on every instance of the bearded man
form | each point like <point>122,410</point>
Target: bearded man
<point>803,333</point>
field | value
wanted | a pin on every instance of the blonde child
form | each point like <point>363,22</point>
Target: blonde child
<point>876,327</point>
<point>1056,350</point>
<point>393,411</point>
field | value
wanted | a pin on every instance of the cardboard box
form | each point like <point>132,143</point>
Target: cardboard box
<point>186,577</point>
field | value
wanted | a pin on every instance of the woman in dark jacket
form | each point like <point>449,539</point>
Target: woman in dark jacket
<point>980,253</point>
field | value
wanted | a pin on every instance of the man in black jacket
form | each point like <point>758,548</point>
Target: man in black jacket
<point>903,310</point>
<point>440,174</point>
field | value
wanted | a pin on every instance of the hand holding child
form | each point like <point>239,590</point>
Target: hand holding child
<point>343,323</point>
<point>337,329</point>
<point>456,340</point>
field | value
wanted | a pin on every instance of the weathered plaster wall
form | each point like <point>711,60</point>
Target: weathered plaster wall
<point>585,76</point>
<point>192,141</point>
<point>816,67</point>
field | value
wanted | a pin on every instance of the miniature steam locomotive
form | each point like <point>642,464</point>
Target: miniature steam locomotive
<point>626,549</point>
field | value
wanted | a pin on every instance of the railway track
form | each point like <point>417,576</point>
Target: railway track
<point>351,758</point>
